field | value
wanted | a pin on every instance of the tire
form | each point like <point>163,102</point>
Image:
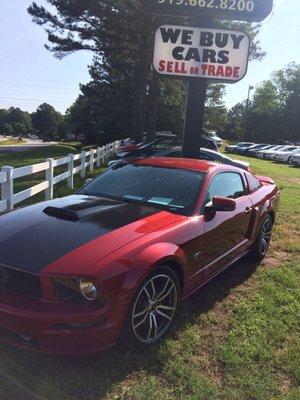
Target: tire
<point>153,309</point>
<point>261,245</point>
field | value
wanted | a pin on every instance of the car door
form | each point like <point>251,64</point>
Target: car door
<point>225,235</point>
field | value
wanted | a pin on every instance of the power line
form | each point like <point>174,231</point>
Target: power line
<point>39,87</point>
<point>34,100</point>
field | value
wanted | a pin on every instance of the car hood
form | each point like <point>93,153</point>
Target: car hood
<point>36,237</point>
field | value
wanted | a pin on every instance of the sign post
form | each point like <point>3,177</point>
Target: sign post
<point>200,53</point>
<point>194,109</point>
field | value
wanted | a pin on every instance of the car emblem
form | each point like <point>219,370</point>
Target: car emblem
<point>4,278</point>
<point>197,255</point>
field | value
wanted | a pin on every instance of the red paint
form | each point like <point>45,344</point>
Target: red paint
<point>121,259</point>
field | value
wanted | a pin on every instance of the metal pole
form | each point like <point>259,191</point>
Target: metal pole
<point>195,106</point>
<point>246,112</point>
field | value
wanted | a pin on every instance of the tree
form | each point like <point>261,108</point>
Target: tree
<point>7,129</point>
<point>19,129</point>
<point>46,121</point>
<point>274,110</point>
<point>114,31</point>
<point>17,116</point>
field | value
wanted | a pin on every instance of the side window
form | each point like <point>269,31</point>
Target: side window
<point>226,184</point>
<point>253,183</point>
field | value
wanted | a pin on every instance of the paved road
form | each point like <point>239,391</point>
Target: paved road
<point>24,147</point>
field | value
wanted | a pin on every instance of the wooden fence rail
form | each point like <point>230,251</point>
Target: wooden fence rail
<point>86,159</point>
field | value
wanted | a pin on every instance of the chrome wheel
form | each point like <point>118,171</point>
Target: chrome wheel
<point>265,237</point>
<point>154,308</point>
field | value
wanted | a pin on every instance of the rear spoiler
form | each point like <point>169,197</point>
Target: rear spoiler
<point>265,179</point>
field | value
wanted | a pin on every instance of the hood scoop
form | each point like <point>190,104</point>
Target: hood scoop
<point>87,209</point>
<point>62,213</point>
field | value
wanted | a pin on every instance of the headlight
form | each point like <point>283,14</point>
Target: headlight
<point>77,290</point>
<point>88,290</point>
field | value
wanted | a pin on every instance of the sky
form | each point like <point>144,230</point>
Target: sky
<point>31,75</point>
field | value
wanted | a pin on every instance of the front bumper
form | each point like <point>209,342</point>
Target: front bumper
<point>48,327</point>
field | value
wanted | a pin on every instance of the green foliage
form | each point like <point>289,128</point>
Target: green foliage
<point>15,121</point>
<point>46,121</point>
<point>7,129</point>
<point>273,113</point>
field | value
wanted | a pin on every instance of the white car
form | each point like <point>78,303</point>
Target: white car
<point>286,154</point>
<point>268,152</point>
<point>295,159</point>
<point>212,136</point>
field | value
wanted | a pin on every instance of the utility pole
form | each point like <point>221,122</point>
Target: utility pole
<point>195,105</point>
<point>247,112</point>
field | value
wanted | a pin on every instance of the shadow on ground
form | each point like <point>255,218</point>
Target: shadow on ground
<point>93,377</point>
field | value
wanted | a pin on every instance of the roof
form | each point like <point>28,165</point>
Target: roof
<point>183,163</point>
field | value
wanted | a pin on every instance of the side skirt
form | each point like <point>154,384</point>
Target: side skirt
<point>209,278</point>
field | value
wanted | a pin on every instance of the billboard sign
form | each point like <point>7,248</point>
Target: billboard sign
<point>216,54</point>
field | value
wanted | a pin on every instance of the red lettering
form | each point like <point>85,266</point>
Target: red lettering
<point>204,68</point>
<point>162,66</point>
<point>177,70</point>
<point>183,69</point>
<point>211,70</point>
<point>228,72</point>
<point>220,71</point>
<point>236,72</point>
<point>170,66</point>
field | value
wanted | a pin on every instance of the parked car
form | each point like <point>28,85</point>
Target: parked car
<point>233,148</point>
<point>295,159</point>
<point>208,134</point>
<point>208,155</point>
<point>254,152</point>
<point>162,139</point>
<point>269,155</point>
<point>153,149</point>
<point>112,262</point>
<point>286,154</point>
<point>247,151</point>
<point>263,153</point>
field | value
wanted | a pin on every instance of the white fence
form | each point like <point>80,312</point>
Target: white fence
<point>87,159</point>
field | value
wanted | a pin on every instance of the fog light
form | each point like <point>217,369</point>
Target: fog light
<point>88,290</point>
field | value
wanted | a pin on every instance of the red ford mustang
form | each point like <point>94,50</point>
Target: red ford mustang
<point>113,261</point>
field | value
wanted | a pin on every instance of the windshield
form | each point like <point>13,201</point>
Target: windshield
<point>165,188</point>
<point>289,149</point>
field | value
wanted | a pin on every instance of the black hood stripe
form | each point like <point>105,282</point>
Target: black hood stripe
<point>42,238</point>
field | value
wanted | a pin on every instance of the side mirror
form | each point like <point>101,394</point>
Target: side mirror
<point>220,204</point>
<point>87,181</point>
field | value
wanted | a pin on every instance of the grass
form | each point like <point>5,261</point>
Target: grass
<point>10,142</point>
<point>36,156</point>
<point>236,339</point>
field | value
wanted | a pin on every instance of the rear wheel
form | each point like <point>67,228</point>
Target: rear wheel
<point>153,308</point>
<point>262,243</point>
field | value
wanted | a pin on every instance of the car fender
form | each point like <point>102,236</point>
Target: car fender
<point>145,262</point>
<point>151,257</point>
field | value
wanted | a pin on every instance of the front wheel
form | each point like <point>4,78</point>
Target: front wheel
<point>153,309</point>
<point>262,243</point>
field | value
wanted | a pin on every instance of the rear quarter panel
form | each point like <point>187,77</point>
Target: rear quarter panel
<point>265,201</point>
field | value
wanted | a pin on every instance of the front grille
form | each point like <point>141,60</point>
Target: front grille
<point>15,281</point>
